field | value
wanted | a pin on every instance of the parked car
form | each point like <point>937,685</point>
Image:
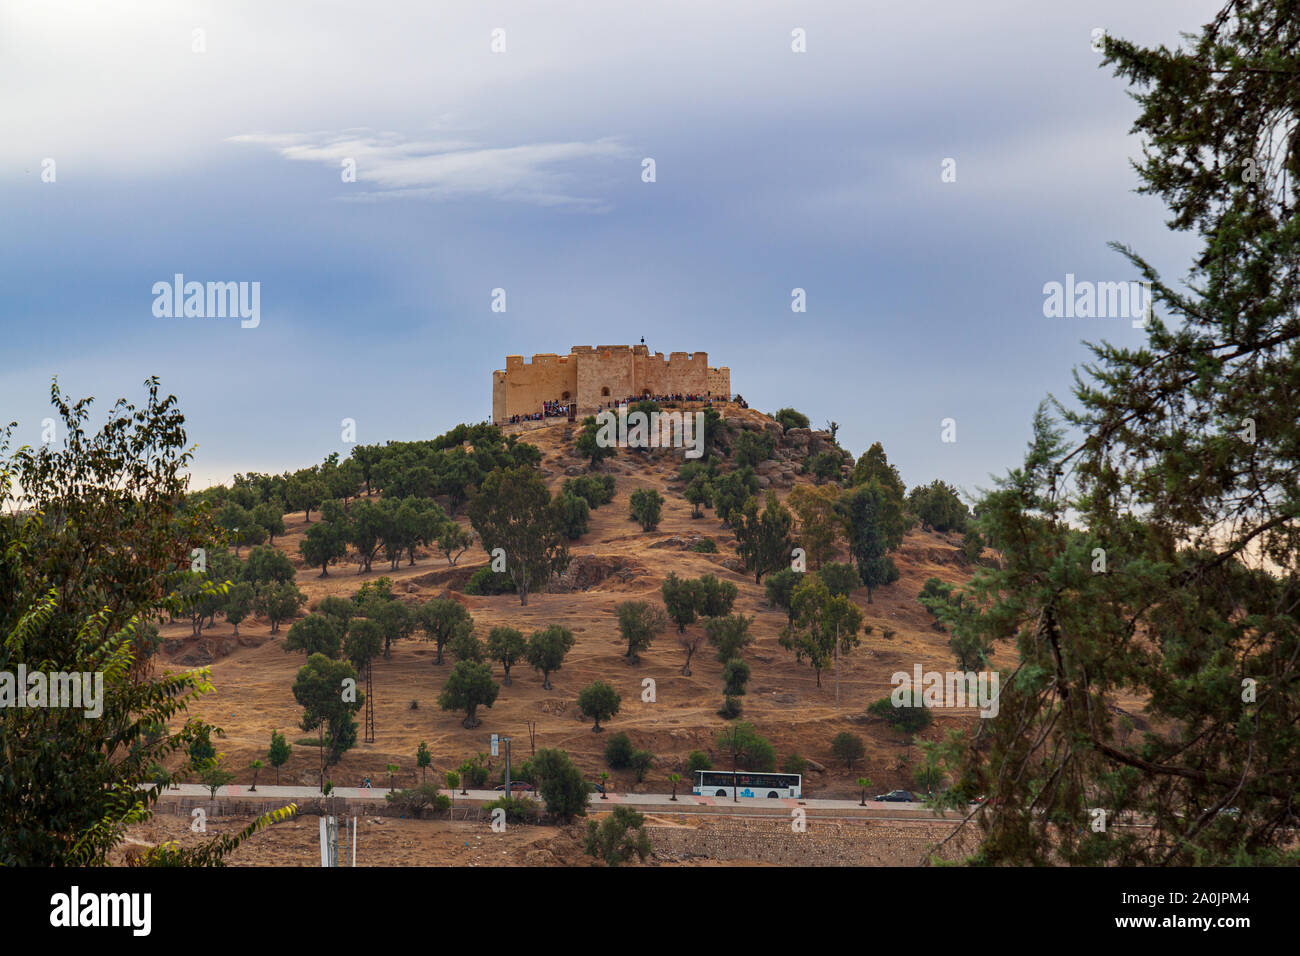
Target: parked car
<point>896,796</point>
<point>516,785</point>
<point>599,788</point>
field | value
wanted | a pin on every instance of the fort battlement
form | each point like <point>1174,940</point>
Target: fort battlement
<point>595,378</point>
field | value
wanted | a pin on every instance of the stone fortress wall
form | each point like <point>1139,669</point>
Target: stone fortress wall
<point>593,378</point>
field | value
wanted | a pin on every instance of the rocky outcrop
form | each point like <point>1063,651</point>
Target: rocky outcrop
<point>586,571</point>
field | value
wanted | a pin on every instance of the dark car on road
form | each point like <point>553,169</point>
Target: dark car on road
<point>896,796</point>
<point>516,785</point>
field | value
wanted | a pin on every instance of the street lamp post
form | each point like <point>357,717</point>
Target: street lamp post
<point>506,740</point>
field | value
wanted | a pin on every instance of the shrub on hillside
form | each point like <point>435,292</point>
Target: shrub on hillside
<point>938,506</point>
<point>907,718</point>
<point>618,837</point>
<point>485,581</point>
<point>618,751</point>
<point>824,465</point>
<point>416,799</point>
<point>596,490</point>
<point>646,508</point>
<point>474,773</point>
<point>640,762</point>
<point>705,546</point>
<point>750,448</point>
<point>572,515</point>
<point>794,764</point>
<point>790,418</point>
<point>698,760</point>
<point>847,747</point>
<point>518,809</point>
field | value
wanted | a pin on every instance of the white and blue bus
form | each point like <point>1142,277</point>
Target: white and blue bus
<point>745,783</point>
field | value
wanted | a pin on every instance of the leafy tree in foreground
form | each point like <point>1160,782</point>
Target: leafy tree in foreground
<point>1160,555</point>
<point>89,552</point>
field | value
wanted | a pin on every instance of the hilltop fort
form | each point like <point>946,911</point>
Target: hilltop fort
<point>589,379</point>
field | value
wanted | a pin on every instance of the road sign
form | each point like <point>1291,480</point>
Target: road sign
<point>495,739</point>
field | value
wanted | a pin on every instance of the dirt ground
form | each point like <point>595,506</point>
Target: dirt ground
<point>253,674</point>
<point>677,841</point>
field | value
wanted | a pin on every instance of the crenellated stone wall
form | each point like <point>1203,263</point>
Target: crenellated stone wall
<point>595,378</point>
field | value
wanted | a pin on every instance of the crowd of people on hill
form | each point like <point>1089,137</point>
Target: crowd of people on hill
<point>549,410</point>
<point>659,399</point>
<point>562,409</point>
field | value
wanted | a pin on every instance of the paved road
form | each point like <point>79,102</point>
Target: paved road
<point>654,802</point>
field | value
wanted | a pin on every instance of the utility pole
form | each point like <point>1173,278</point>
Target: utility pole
<point>735,786</point>
<point>506,740</point>
<point>370,705</point>
<point>837,665</point>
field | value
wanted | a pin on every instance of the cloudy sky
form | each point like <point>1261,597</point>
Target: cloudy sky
<point>213,140</point>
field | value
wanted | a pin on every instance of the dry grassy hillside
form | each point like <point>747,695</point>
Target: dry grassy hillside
<point>253,674</point>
